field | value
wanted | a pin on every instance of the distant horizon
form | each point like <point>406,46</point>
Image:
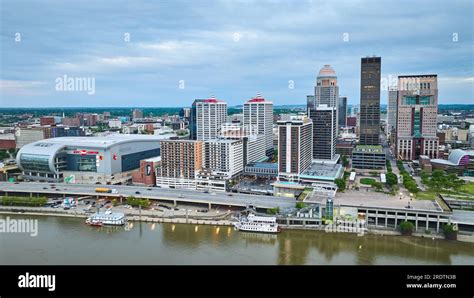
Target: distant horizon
<point>171,107</point>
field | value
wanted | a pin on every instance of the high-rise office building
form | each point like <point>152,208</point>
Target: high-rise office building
<point>324,132</point>
<point>392,116</point>
<point>258,112</point>
<point>392,109</point>
<point>322,109</point>
<point>326,91</point>
<point>417,112</point>
<point>207,115</point>
<point>294,147</point>
<point>370,101</point>
<point>342,111</point>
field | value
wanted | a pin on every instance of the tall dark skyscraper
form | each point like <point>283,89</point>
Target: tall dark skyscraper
<point>370,101</point>
<point>342,111</point>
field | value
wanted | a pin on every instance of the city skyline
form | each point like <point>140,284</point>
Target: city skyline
<point>161,55</point>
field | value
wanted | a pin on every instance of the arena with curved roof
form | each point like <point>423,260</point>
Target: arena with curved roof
<point>107,160</point>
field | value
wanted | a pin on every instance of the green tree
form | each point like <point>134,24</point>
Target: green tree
<point>377,185</point>
<point>341,184</point>
<point>391,179</point>
<point>300,205</point>
<point>345,161</point>
<point>406,227</point>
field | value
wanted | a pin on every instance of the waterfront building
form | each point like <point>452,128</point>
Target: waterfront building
<point>146,174</point>
<point>417,115</point>
<point>223,158</point>
<point>92,160</point>
<point>294,147</point>
<point>207,115</point>
<point>369,130</point>
<point>258,112</point>
<point>180,162</point>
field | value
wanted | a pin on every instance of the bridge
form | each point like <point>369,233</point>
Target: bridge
<point>174,196</point>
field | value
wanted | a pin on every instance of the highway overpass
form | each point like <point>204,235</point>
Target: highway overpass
<point>175,196</point>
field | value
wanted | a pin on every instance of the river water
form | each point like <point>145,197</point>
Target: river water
<point>68,241</point>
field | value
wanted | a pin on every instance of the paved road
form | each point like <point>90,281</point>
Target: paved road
<point>180,195</point>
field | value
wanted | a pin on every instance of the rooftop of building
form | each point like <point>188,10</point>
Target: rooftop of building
<point>96,142</point>
<point>323,171</point>
<point>263,165</point>
<point>418,76</point>
<point>327,70</point>
<point>258,99</point>
<point>368,149</point>
<point>455,157</point>
<point>360,199</point>
<point>153,159</point>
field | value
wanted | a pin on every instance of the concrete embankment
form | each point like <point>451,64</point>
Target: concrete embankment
<point>207,220</point>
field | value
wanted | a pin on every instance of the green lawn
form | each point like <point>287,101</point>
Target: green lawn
<point>367,181</point>
<point>425,195</point>
<point>468,188</point>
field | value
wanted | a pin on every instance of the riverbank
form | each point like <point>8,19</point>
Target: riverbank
<point>218,220</point>
<point>205,220</point>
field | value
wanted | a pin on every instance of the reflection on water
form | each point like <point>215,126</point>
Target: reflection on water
<point>69,241</point>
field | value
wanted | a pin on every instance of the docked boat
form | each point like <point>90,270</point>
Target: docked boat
<point>107,218</point>
<point>254,223</point>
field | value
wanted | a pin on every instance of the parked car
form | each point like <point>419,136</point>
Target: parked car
<point>149,189</point>
<point>137,192</point>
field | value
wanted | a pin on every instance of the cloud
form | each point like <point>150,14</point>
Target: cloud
<point>232,49</point>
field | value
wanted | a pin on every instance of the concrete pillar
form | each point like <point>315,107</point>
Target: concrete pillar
<point>427,221</point>
<point>437,225</point>
<point>287,222</point>
<point>304,223</point>
<point>174,203</point>
<point>376,218</point>
<point>396,217</point>
<point>386,219</point>
<point>31,194</point>
<point>210,206</point>
<point>416,221</point>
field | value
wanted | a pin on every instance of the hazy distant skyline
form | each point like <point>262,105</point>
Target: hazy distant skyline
<point>168,53</point>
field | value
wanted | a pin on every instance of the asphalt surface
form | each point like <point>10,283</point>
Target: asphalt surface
<point>162,194</point>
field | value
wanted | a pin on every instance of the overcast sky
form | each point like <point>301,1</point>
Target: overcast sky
<point>167,53</point>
